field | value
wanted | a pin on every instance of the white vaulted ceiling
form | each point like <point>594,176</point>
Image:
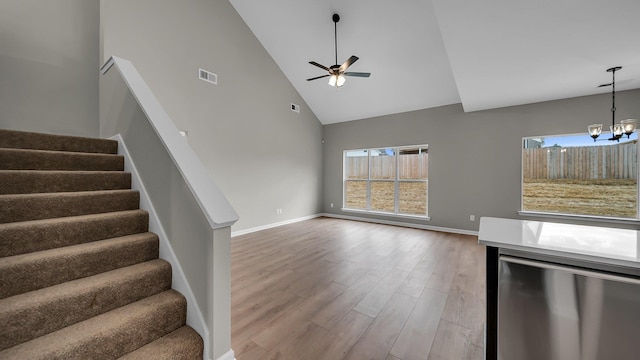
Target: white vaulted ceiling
<point>426,53</point>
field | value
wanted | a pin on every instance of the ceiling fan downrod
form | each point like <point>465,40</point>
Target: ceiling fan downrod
<point>335,18</point>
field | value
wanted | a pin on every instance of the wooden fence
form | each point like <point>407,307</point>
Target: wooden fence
<point>583,163</point>
<point>412,166</point>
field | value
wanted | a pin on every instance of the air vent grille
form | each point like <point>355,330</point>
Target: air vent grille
<point>207,76</point>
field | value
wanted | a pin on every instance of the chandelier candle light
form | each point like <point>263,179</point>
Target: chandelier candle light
<point>626,127</point>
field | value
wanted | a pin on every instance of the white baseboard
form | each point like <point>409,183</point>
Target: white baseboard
<point>356,218</point>
<point>229,355</point>
<point>269,226</point>
<point>399,223</point>
<point>179,280</point>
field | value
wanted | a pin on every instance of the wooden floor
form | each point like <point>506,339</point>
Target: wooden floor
<point>335,289</point>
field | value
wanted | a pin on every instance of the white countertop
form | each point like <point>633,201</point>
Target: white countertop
<point>604,245</point>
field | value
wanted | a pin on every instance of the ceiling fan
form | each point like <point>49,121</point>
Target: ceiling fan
<point>338,72</point>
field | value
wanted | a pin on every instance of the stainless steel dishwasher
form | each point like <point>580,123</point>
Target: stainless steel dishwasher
<point>548,312</point>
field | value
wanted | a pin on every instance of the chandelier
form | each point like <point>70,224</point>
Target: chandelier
<point>625,127</point>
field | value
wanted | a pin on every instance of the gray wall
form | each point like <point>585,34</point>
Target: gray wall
<point>474,158</point>
<point>262,155</point>
<point>49,66</point>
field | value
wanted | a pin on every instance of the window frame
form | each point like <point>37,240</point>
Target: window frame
<point>396,180</point>
<point>572,216</point>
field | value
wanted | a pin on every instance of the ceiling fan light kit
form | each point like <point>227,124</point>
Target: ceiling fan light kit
<point>625,127</point>
<point>336,80</point>
<point>337,72</point>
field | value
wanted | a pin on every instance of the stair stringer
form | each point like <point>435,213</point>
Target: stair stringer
<point>179,282</point>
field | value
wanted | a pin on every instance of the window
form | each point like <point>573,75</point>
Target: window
<point>572,174</point>
<point>387,180</point>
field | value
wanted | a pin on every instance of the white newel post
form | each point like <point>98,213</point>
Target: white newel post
<point>219,304</point>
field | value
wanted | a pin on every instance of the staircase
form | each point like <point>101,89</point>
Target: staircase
<point>80,276</point>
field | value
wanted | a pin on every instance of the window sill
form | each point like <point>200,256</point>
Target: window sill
<point>381,213</point>
<point>592,218</point>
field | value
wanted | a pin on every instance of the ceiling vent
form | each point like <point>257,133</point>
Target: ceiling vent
<point>208,76</point>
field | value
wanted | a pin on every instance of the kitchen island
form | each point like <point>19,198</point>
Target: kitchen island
<point>560,291</point>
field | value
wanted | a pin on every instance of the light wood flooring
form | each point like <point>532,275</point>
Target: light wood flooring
<point>336,289</point>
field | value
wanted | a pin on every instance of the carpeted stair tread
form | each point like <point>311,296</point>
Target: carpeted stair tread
<point>182,344</point>
<point>26,159</point>
<point>37,235</point>
<point>25,207</point>
<point>37,313</point>
<point>32,271</point>
<point>30,140</point>
<point>80,276</point>
<point>110,335</point>
<point>45,181</point>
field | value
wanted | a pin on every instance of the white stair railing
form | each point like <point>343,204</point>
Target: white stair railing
<point>187,210</point>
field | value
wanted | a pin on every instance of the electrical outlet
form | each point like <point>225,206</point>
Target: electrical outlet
<point>278,211</point>
<point>331,205</point>
<point>472,218</point>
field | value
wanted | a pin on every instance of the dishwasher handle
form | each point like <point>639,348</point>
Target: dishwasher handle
<point>571,270</point>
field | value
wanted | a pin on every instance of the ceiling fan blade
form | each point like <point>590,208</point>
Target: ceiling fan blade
<point>319,65</point>
<point>348,63</point>
<point>318,77</point>
<point>358,74</point>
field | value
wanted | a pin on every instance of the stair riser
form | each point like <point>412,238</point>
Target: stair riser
<point>181,344</point>
<point>14,159</point>
<point>109,335</point>
<point>80,276</point>
<point>14,208</point>
<point>31,182</point>
<point>32,236</point>
<point>28,272</point>
<point>27,316</point>
<point>29,140</point>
